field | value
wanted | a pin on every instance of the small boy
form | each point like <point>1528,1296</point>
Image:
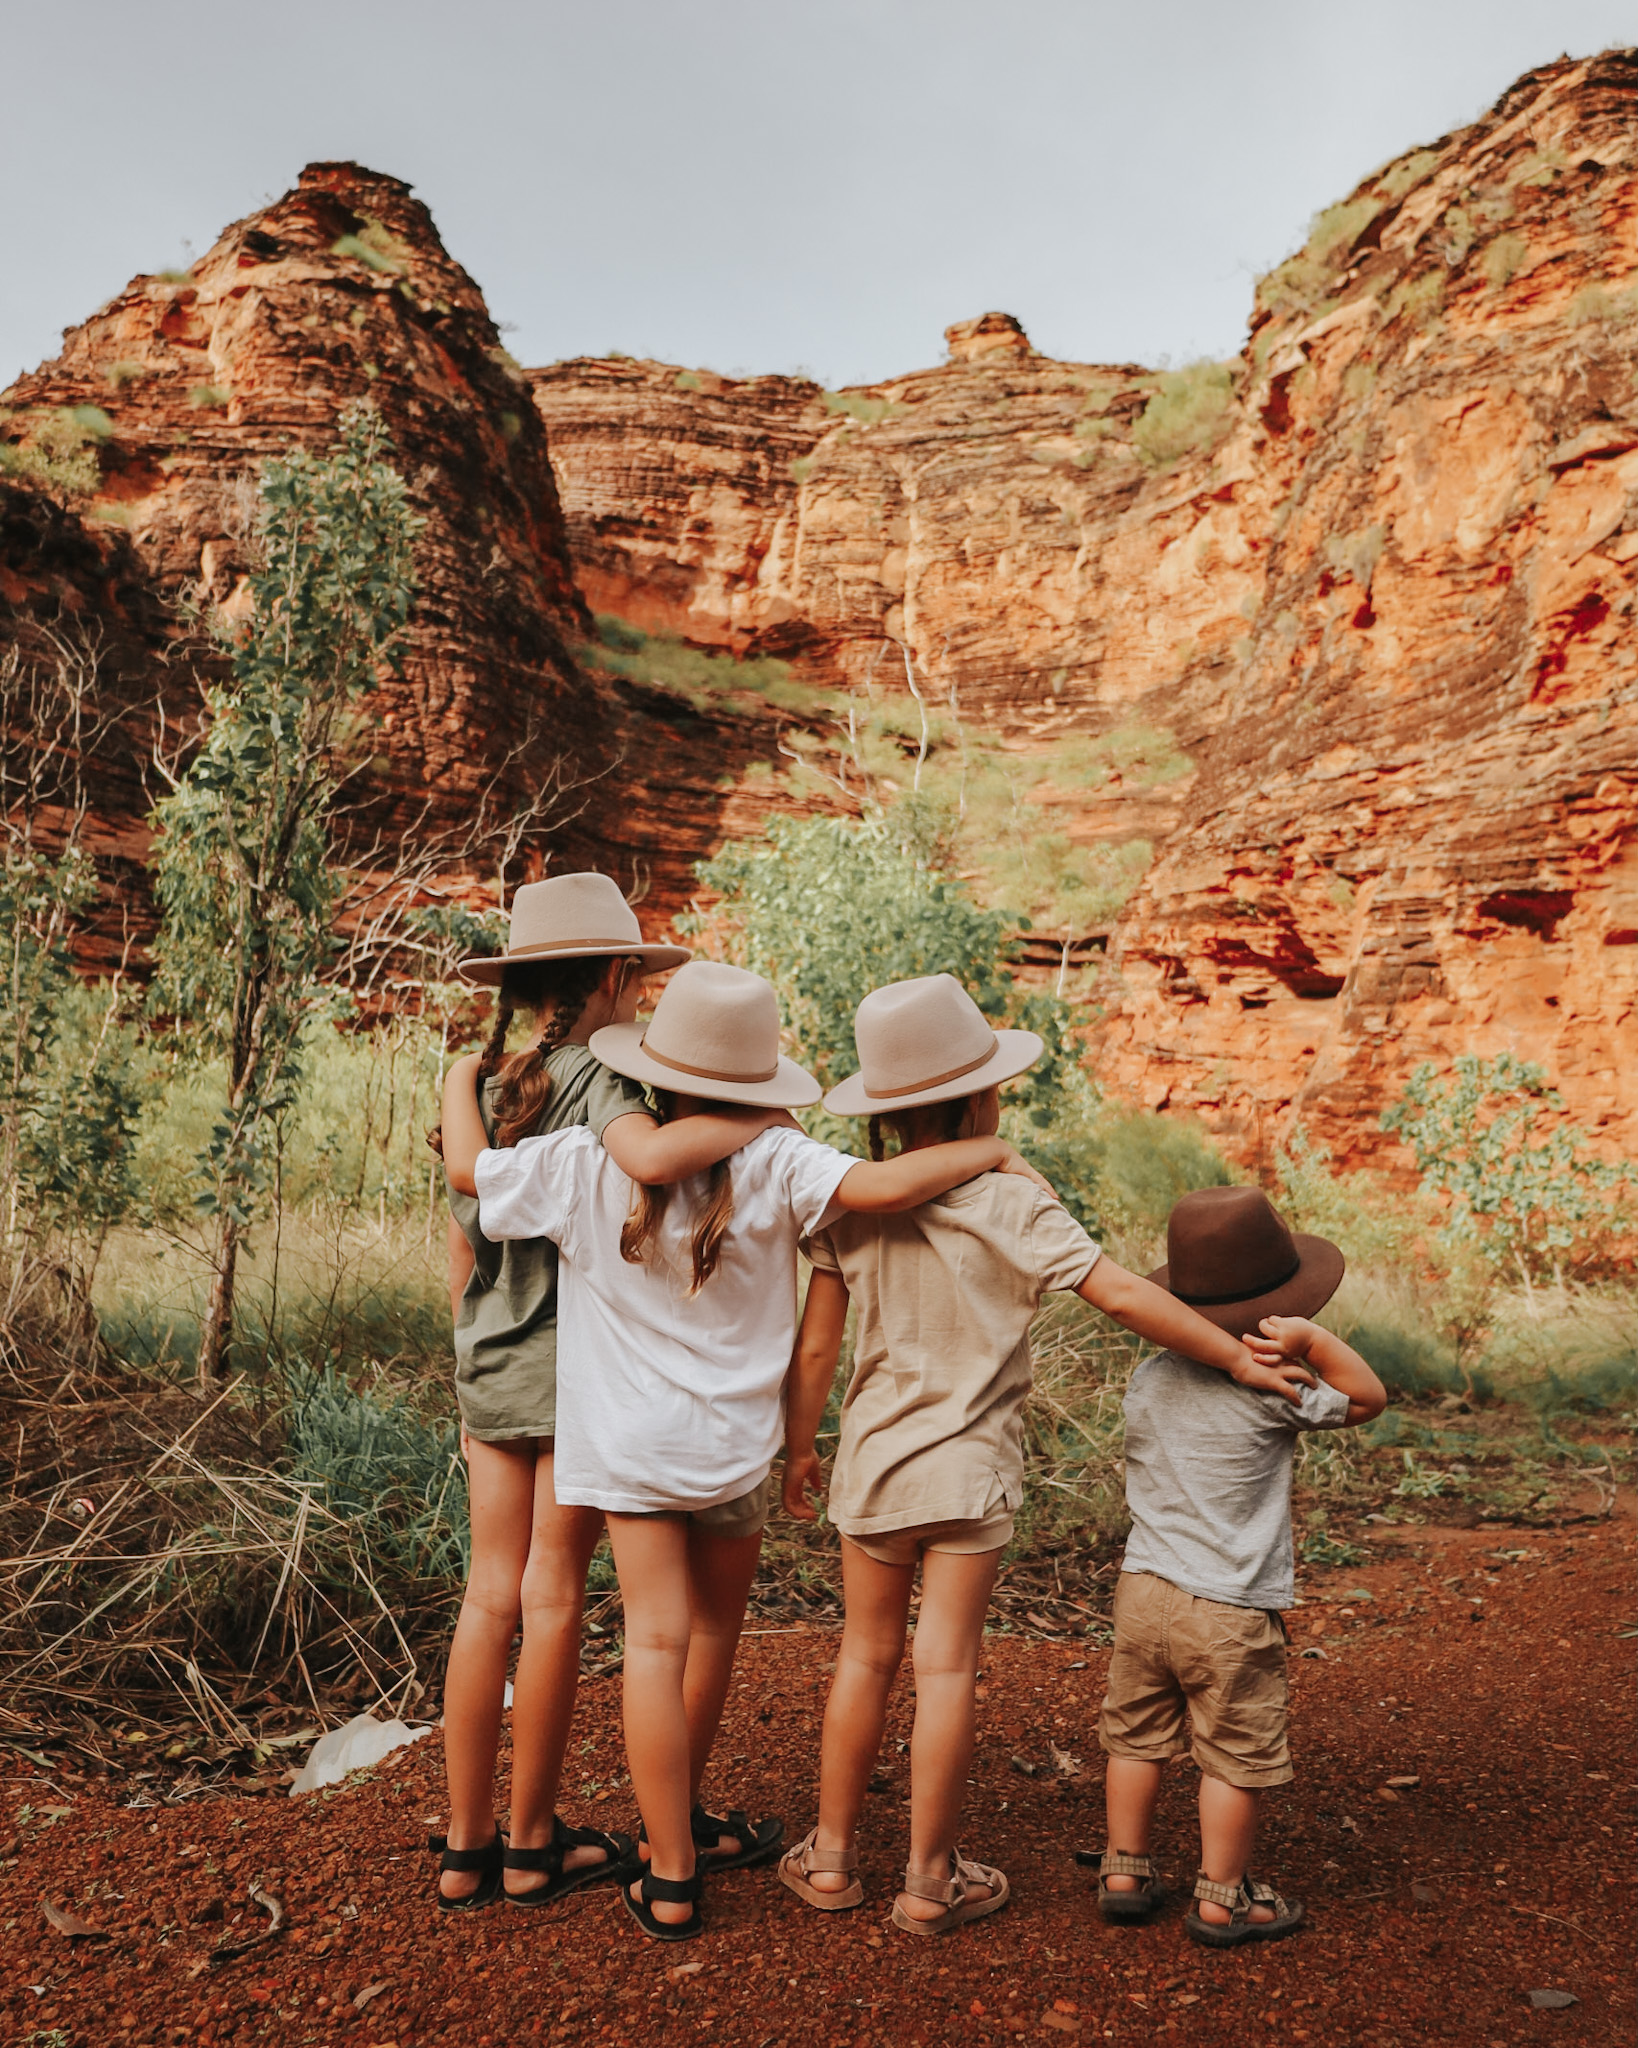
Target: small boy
<point>1209,1565</point>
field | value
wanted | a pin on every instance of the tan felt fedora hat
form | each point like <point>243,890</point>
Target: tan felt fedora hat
<point>571,917</point>
<point>714,1033</point>
<point>1232,1259</point>
<point>926,1041</point>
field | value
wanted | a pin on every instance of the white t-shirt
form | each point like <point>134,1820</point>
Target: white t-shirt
<point>665,1401</point>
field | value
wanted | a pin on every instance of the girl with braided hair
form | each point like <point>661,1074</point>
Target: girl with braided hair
<point>575,958</point>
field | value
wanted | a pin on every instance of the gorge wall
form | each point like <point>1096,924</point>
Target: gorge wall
<point>1376,577</point>
<point>129,493</point>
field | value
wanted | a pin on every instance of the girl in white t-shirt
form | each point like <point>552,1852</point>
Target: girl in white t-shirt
<point>677,1320</point>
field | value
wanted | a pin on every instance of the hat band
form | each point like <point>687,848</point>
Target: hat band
<point>934,1080</point>
<point>710,1073</point>
<point>571,945</point>
<point>1240,1294</point>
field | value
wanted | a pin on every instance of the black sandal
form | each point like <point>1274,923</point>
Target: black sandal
<point>672,1891</point>
<point>619,1851</point>
<point>489,1860</point>
<point>759,1844</point>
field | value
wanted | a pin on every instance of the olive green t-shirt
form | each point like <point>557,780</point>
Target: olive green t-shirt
<point>506,1328</point>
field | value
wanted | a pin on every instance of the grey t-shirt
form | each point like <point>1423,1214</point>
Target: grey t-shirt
<point>506,1328</point>
<point>1208,1479</point>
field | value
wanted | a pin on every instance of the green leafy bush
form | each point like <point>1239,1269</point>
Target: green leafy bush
<point>664,661</point>
<point>1190,414</point>
<point>1522,1186</point>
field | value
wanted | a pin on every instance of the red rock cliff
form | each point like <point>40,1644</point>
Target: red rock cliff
<point>340,290</point>
<point>1376,576</point>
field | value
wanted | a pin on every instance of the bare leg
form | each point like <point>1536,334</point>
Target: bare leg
<point>501,1487</point>
<point>553,1597</point>
<point>877,1604</point>
<point>651,1556</point>
<point>1228,1831</point>
<point>1131,1787</point>
<point>955,1597</point>
<point>720,1571</point>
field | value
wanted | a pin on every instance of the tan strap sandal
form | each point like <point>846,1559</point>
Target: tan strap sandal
<point>952,1894</point>
<point>1239,1900</point>
<point>797,1865</point>
<point>1132,1907</point>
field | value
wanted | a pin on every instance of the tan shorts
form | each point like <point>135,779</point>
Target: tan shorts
<point>745,1515</point>
<point>1224,1666</point>
<point>959,1539</point>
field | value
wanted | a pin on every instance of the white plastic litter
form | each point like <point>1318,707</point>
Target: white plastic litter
<point>362,1742</point>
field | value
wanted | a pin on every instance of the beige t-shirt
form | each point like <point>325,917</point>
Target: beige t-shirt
<point>945,1295</point>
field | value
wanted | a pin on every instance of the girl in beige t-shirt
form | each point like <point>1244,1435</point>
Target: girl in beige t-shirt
<point>930,1466</point>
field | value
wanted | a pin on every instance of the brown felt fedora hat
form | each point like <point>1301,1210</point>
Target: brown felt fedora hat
<point>714,1033</point>
<point>571,917</point>
<point>926,1040</point>
<point>1232,1259</point>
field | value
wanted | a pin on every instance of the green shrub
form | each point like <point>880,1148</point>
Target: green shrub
<point>666,662</point>
<point>121,374</point>
<point>1147,1163</point>
<point>57,448</point>
<point>1190,414</point>
<point>376,247</point>
<point>1411,1362</point>
<point>395,1475</point>
<point>867,411</point>
<point>208,397</point>
<point>1504,258</point>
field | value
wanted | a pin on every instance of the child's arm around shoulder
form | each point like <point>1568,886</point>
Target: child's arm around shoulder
<point>1151,1312</point>
<point>1338,1364</point>
<point>464,1134</point>
<point>880,1187</point>
<point>659,1154</point>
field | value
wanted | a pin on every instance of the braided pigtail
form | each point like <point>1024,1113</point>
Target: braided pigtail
<point>490,1059</point>
<point>525,1083</point>
<point>878,1145</point>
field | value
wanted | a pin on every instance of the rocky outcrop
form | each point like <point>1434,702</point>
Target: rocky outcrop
<point>1376,577</point>
<point>153,422</point>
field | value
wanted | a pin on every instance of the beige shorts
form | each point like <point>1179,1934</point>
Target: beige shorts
<point>959,1539</point>
<point>746,1515</point>
<point>1222,1667</point>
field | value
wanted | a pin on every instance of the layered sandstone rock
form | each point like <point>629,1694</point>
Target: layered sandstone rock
<point>1377,579</point>
<point>182,385</point>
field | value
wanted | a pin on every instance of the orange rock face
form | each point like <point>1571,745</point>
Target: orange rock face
<point>1376,577</point>
<point>342,290</point>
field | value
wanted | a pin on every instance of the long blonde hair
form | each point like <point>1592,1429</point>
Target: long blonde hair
<point>711,1219</point>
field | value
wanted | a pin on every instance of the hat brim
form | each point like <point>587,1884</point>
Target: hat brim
<point>486,969</point>
<point>1320,1267</point>
<point>1014,1052</point>
<point>620,1046</point>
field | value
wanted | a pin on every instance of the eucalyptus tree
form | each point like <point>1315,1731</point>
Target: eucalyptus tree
<point>247,873</point>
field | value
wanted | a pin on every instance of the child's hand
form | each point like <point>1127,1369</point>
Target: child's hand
<point>801,1479</point>
<point>1015,1162</point>
<point>1265,1368</point>
<point>1291,1336</point>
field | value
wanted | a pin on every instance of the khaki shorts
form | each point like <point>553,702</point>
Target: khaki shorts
<point>746,1515</point>
<point>1224,1666</point>
<point>959,1539</point>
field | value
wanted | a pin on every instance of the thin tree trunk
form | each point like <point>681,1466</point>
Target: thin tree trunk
<point>217,1332</point>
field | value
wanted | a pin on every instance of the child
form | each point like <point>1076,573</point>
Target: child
<point>678,1322</point>
<point>1208,1564</point>
<point>930,1466</point>
<point>574,959</point>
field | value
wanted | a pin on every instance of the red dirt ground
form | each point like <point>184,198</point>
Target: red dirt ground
<point>1503,1683</point>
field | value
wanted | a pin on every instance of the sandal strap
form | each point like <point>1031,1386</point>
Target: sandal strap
<point>944,1891</point>
<point>706,1827</point>
<point>1234,1897</point>
<point>834,1861</point>
<point>672,1891</point>
<point>491,1857</point>
<point>549,1859</point>
<point>1261,1894</point>
<point>1116,1863</point>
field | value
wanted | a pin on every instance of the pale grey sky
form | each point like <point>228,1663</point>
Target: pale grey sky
<point>754,184</point>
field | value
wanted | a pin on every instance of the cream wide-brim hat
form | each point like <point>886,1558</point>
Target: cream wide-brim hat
<point>715,1034</point>
<point>926,1041</point>
<point>571,917</point>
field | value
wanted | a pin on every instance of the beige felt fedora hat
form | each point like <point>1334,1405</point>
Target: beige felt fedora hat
<point>714,1033</point>
<point>926,1041</point>
<point>1230,1256</point>
<point>571,917</point>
